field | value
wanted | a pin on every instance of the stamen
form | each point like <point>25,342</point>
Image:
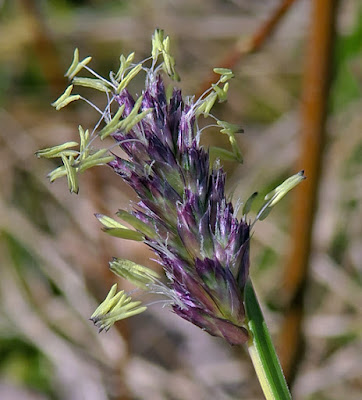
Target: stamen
<point>99,76</point>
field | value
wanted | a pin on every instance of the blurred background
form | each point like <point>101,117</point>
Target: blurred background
<point>296,93</point>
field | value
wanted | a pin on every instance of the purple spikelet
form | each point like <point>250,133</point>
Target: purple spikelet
<point>182,214</point>
<point>203,248</point>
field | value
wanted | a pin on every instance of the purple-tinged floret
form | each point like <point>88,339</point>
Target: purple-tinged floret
<point>202,246</point>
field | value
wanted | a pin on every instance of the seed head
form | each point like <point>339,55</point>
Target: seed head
<point>182,213</point>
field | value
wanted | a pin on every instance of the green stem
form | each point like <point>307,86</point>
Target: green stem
<point>262,352</point>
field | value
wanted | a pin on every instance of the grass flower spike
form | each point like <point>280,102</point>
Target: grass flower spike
<point>183,213</point>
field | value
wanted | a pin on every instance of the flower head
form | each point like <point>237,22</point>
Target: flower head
<point>202,246</point>
<point>182,214</point>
